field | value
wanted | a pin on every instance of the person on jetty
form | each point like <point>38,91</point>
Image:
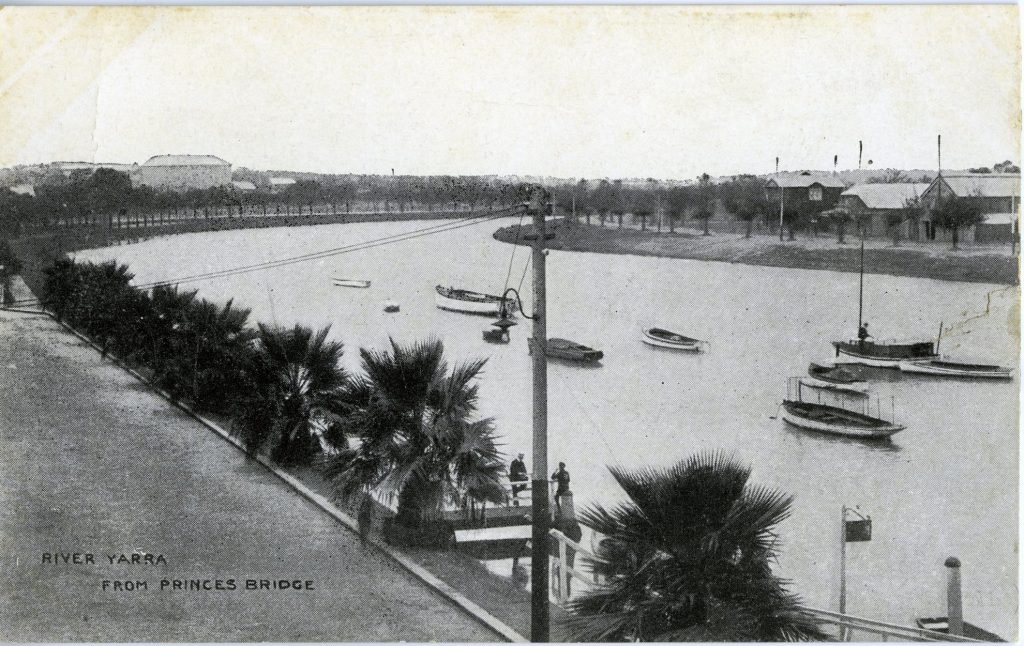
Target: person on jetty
<point>562,478</point>
<point>517,473</point>
<point>863,335</point>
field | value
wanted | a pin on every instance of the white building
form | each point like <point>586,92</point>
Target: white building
<point>183,172</point>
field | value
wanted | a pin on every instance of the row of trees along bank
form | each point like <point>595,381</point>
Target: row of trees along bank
<point>106,197</point>
<point>687,557</point>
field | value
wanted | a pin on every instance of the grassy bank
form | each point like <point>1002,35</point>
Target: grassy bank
<point>979,264</point>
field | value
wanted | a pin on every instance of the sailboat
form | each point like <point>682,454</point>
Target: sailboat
<point>880,354</point>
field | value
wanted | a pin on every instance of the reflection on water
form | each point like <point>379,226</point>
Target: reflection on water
<point>947,485</point>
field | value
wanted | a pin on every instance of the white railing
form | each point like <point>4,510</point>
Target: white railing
<point>562,574</point>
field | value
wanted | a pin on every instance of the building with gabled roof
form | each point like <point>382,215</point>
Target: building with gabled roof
<point>997,195</point>
<point>880,207</point>
<point>182,172</point>
<point>805,190</point>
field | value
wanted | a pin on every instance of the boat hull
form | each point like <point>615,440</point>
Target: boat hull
<point>883,355</point>
<point>948,369</point>
<point>683,346</point>
<point>348,282</point>
<point>799,414</point>
<point>852,389</point>
<point>481,304</point>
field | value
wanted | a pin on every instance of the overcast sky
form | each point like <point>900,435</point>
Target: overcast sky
<point>662,92</point>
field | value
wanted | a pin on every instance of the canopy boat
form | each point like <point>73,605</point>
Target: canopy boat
<point>663,338</point>
<point>350,282</point>
<point>570,351</point>
<point>887,354</point>
<point>834,378</point>
<point>944,368</point>
<point>839,421</point>
<point>462,300</point>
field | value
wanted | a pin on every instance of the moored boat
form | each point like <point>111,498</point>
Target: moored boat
<point>570,351</point>
<point>662,338</point>
<point>837,421</point>
<point>834,378</point>
<point>467,302</point>
<point>391,307</point>
<point>945,368</point>
<point>885,354</point>
<point>350,282</point>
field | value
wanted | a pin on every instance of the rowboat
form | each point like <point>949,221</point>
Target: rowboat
<point>838,421</point>
<point>834,378</point>
<point>570,351</point>
<point>467,302</point>
<point>944,368</point>
<point>350,282</point>
<point>663,338</point>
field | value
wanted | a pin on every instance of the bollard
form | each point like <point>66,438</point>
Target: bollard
<point>954,605</point>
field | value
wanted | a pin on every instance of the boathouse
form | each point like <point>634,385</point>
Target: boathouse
<point>878,208</point>
<point>821,191</point>
<point>996,194</point>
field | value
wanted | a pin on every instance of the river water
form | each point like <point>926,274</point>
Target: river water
<point>948,485</point>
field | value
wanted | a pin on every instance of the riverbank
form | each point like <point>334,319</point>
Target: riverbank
<point>975,264</point>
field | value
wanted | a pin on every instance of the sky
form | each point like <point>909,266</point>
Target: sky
<point>664,92</point>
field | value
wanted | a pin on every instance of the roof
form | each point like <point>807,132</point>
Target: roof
<point>1000,218</point>
<point>243,185</point>
<point>281,181</point>
<point>185,160</point>
<point>983,184</point>
<point>886,196</point>
<point>23,189</point>
<point>805,180</point>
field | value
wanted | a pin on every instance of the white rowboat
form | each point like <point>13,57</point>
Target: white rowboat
<point>837,421</point>
<point>944,368</point>
<point>350,282</point>
<point>467,302</point>
<point>663,338</point>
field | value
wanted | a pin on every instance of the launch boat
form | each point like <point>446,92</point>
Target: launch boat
<point>467,302</point>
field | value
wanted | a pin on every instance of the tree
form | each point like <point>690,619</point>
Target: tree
<point>687,557</point>
<point>1006,167</point>
<point>418,437</point>
<point>955,213</point>
<point>891,176</point>
<point>745,198</point>
<point>704,201</point>
<point>294,395</point>
<point>676,202</point>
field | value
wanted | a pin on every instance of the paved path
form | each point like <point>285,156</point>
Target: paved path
<point>92,463</point>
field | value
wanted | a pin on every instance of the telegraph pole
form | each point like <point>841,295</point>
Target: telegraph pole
<point>540,618</point>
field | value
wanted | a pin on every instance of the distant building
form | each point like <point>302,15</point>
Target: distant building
<point>68,167</point>
<point>183,172</point>
<point>821,191</point>
<point>879,207</point>
<point>243,186</point>
<point>23,189</point>
<point>996,194</point>
<point>280,183</point>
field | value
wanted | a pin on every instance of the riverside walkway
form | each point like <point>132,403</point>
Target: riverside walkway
<point>93,464</point>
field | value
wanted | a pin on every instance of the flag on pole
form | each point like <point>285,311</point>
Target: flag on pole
<point>858,531</point>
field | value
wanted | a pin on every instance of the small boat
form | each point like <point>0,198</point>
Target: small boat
<point>834,378</point>
<point>499,333</point>
<point>350,282</point>
<point>944,368</point>
<point>838,421</point>
<point>467,302</point>
<point>887,354</point>
<point>572,351</point>
<point>391,306</point>
<point>663,338</point>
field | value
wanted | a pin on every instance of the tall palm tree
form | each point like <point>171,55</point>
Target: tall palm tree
<point>418,439</point>
<point>688,558</point>
<point>295,393</point>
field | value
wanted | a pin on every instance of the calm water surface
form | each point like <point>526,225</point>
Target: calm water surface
<point>945,486</point>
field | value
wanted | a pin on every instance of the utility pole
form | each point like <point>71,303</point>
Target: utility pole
<point>540,618</point>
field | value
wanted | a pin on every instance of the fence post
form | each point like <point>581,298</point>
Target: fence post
<point>563,571</point>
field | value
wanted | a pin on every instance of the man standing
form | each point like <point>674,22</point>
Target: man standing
<point>517,473</point>
<point>863,335</point>
<point>562,478</point>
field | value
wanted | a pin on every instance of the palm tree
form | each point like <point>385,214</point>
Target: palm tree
<point>688,558</point>
<point>418,440</point>
<point>295,393</point>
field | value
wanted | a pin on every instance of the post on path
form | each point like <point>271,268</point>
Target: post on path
<point>954,600</point>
